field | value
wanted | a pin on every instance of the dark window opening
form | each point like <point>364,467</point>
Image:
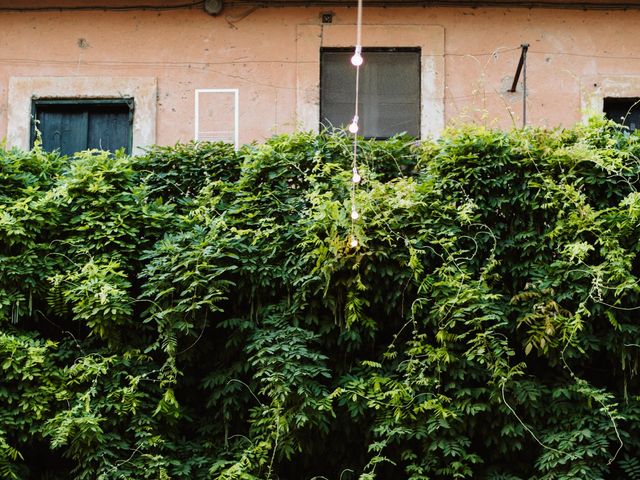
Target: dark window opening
<point>73,125</point>
<point>389,90</point>
<point>625,111</point>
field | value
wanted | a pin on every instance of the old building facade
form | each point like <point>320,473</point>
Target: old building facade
<point>168,71</point>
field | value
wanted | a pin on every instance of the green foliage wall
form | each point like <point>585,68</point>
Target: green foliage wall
<point>197,313</point>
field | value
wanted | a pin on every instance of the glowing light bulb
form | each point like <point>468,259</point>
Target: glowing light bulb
<point>356,176</point>
<point>354,214</point>
<point>354,242</point>
<point>357,59</point>
<point>353,127</point>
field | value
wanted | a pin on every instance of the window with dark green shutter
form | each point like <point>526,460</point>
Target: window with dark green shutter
<point>73,125</point>
<point>389,90</point>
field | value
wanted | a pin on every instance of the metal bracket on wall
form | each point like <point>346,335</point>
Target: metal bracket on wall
<point>522,67</point>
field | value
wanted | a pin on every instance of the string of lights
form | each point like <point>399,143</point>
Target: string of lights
<point>196,63</point>
<point>356,61</point>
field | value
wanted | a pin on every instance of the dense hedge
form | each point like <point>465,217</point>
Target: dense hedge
<point>197,313</point>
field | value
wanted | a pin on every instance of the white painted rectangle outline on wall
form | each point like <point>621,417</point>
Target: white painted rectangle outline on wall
<point>236,111</point>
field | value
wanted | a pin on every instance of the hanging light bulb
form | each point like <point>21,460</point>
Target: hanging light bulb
<point>354,242</point>
<point>356,176</point>
<point>354,214</point>
<point>357,59</point>
<point>353,126</point>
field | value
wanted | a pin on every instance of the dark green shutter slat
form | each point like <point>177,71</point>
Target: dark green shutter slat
<point>72,127</point>
<point>65,132</point>
<point>109,130</point>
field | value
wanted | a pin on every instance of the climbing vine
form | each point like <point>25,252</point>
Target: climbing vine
<point>197,312</point>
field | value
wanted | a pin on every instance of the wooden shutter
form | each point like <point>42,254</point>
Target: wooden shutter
<point>70,126</point>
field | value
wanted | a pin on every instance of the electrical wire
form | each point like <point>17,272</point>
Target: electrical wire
<point>116,8</point>
<point>207,66</point>
<point>560,4</point>
<point>550,4</point>
<point>192,64</point>
<point>587,55</point>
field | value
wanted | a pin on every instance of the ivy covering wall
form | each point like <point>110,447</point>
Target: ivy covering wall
<point>197,313</point>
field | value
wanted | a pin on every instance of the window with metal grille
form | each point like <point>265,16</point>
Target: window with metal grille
<point>389,90</point>
<point>623,110</point>
<point>73,125</point>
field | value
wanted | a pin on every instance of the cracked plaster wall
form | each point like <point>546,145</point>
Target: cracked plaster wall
<point>271,56</point>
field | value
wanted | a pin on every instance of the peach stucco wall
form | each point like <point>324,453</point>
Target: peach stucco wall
<point>270,56</point>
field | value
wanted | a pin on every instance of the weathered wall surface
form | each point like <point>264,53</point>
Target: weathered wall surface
<point>270,55</point>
